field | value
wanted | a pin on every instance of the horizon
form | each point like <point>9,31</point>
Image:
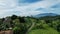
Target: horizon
<point>28,7</point>
<point>31,15</point>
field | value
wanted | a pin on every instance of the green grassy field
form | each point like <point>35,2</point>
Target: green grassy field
<point>44,31</point>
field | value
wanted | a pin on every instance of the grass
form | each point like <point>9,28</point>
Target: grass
<point>44,31</point>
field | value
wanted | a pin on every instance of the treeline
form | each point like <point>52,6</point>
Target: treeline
<point>23,25</point>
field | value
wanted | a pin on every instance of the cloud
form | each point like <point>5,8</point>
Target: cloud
<point>56,5</point>
<point>25,7</point>
<point>28,1</point>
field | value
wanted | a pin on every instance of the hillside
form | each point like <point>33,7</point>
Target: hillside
<point>31,25</point>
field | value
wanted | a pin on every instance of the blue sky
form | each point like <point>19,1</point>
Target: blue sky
<point>28,7</point>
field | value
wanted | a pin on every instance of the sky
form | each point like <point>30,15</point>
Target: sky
<point>28,7</point>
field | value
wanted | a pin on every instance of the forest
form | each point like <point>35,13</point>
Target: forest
<point>31,25</point>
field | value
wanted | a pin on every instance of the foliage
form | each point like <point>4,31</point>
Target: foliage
<point>31,25</point>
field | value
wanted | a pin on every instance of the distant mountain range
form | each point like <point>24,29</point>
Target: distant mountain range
<point>45,14</point>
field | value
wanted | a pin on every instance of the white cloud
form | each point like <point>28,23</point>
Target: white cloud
<point>8,7</point>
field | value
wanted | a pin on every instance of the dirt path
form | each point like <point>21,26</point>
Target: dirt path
<point>33,24</point>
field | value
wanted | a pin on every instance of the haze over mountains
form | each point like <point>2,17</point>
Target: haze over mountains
<point>46,14</point>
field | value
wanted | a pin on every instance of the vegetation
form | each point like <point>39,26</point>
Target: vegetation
<point>31,25</point>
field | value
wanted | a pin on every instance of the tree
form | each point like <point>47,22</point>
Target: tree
<point>13,17</point>
<point>21,19</point>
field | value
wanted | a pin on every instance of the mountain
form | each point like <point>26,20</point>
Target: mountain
<point>45,14</point>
